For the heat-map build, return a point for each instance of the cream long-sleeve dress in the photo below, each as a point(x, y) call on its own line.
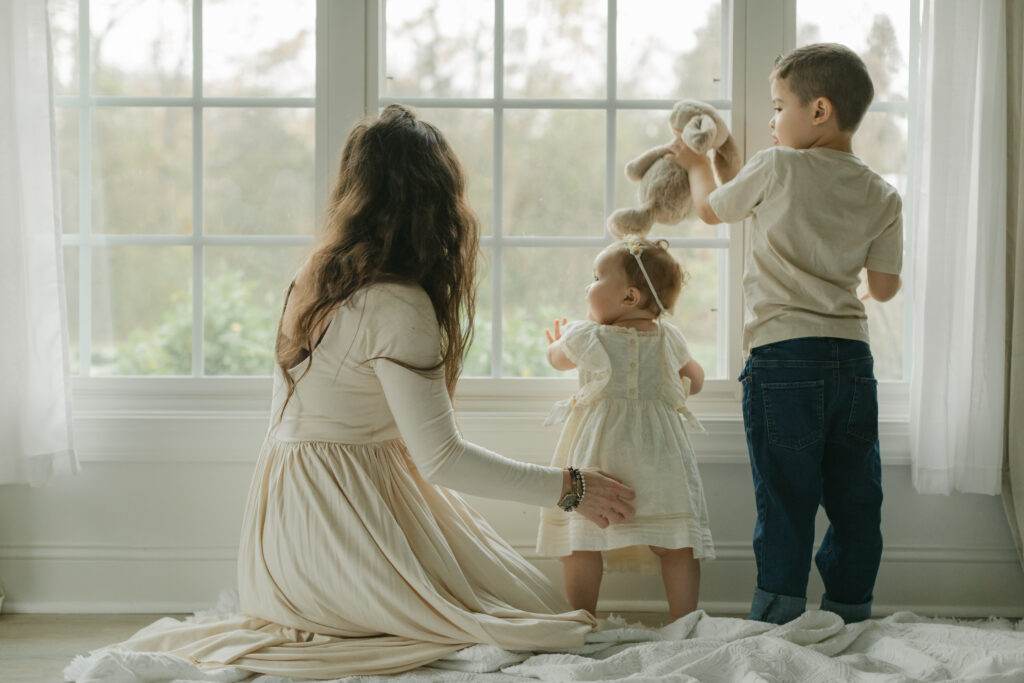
point(355, 555)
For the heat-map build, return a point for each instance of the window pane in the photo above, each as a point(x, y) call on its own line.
point(142, 170)
point(258, 171)
point(540, 285)
point(668, 48)
point(64, 45)
point(696, 310)
point(636, 132)
point(887, 329)
point(439, 48)
point(881, 141)
point(554, 172)
point(556, 48)
point(71, 288)
point(470, 132)
point(142, 311)
point(243, 291)
point(259, 47)
point(877, 30)
point(143, 47)
point(67, 161)
point(478, 360)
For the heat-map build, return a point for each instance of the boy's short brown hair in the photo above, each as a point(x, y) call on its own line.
point(666, 274)
point(833, 71)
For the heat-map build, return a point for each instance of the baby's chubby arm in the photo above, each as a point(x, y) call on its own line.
point(702, 178)
point(695, 372)
point(556, 355)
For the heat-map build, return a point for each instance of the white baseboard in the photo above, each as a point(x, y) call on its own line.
point(962, 582)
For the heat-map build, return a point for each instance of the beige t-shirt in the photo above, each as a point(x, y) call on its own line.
point(818, 216)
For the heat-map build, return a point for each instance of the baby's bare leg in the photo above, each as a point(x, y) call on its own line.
point(582, 571)
point(681, 574)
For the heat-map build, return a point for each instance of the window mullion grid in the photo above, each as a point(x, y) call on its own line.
point(136, 240)
point(788, 25)
point(84, 193)
point(740, 77)
point(198, 254)
point(602, 241)
point(538, 103)
point(723, 310)
point(722, 313)
point(611, 111)
point(725, 51)
point(497, 300)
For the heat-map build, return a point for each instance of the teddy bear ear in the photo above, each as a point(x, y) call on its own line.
point(682, 112)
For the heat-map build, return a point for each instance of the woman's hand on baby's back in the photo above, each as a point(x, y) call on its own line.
point(606, 500)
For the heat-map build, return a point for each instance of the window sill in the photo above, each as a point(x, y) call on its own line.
point(719, 401)
point(223, 419)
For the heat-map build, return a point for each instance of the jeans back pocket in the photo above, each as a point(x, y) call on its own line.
point(794, 413)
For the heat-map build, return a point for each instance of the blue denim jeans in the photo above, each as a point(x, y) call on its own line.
point(810, 409)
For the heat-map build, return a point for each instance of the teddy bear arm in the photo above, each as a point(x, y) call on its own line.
point(636, 169)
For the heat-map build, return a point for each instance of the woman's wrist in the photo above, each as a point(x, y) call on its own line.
point(572, 497)
point(566, 483)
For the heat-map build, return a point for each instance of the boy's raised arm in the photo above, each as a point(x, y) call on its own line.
point(702, 178)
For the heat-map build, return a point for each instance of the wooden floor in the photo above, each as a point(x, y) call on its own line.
point(37, 647)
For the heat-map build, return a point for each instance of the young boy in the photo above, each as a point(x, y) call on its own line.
point(810, 403)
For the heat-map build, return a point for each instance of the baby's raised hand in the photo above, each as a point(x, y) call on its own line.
point(556, 354)
point(558, 330)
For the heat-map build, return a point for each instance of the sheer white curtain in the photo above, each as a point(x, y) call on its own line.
point(1013, 470)
point(35, 407)
point(959, 373)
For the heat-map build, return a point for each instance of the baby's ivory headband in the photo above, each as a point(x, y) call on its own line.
point(635, 246)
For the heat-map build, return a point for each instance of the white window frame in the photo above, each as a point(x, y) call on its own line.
point(503, 394)
point(86, 103)
point(347, 89)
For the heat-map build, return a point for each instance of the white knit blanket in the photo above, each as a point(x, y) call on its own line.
point(815, 647)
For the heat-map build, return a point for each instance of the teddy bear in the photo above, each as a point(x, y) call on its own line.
point(664, 191)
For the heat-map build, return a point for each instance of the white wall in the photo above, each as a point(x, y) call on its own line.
point(151, 524)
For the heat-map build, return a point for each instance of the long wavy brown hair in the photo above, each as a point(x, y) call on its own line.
point(398, 213)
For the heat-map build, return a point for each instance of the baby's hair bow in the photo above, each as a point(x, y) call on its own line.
point(634, 245)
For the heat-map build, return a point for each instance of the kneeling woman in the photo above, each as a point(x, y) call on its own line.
point(355, 556)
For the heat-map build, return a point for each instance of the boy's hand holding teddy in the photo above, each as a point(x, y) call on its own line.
point(665, 187)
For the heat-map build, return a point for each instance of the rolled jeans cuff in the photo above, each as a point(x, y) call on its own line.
point(849, 613)
point(775, 608)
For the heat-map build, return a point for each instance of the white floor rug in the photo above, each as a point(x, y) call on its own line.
point(816, 647)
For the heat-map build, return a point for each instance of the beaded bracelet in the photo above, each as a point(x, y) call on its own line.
point(578, 478)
